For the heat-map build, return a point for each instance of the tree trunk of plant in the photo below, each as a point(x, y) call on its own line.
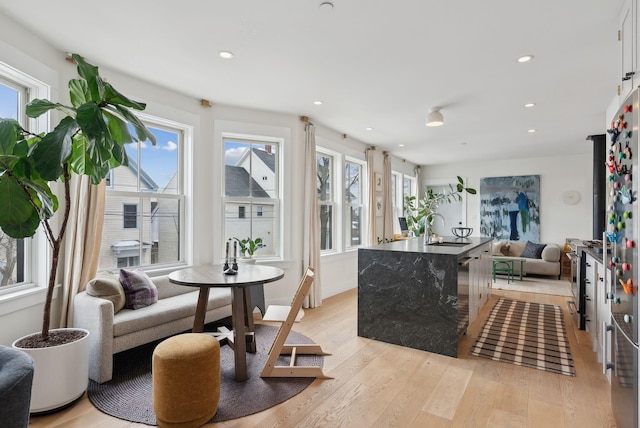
point(56, 243)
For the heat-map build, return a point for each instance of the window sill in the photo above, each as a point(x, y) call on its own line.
point(16, 301)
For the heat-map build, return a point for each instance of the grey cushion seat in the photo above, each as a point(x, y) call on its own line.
point(16, 378)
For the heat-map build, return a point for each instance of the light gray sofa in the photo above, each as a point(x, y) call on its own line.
point(112, 333)
point(548, 264)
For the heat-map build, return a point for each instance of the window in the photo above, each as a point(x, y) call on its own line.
point(409, 187)
point(252, 190)
point(17, 255)
point(130, 215)
point(341, 197)
point(353, 203)
point(401, 186)
point(144, 205)
point(326, 199)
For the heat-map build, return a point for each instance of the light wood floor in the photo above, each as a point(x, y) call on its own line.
point(381, 385)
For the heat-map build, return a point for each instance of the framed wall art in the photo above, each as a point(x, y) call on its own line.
point(510, 208)
point(378, 182)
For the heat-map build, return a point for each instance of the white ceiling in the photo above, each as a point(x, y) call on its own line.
point(374, 63)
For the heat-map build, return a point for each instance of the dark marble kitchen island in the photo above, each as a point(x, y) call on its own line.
point(408, 292)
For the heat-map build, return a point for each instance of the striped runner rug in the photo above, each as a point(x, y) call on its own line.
point(526, 334)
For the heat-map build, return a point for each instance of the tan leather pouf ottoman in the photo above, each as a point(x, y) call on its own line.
point(186, 380)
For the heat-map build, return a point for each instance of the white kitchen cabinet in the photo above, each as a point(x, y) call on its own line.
point(479, 280)
point(626, 33)
point(597, 306)
point(629, 50)
point(590, 297)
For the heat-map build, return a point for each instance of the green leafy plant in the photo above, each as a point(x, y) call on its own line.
point(88, 140)
point(249, 246)
point(422, 213)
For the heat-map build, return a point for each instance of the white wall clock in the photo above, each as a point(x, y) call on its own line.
point(571, 197)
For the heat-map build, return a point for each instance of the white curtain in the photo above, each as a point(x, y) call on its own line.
point(371, 178)
point(311, 249)
point(82, 241)
point(387, 203)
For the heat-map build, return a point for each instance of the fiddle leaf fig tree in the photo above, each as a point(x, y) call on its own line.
point(88, 140)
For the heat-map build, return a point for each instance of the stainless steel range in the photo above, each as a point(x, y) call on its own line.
point(578, 287)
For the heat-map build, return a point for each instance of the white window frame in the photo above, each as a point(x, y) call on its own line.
point(251, 202)
point(183, 191)
point(36, 249)
point(347, 206)
point(335, 200)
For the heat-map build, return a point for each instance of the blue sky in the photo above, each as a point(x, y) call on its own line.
point(159, 161)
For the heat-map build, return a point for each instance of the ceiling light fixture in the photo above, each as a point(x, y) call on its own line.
point(318, 102)
point(528, 105)
point(525, 58)
point(326, 6)
point(400, 145)
point(531, 131)
point(434, 118)
point(225, 54)
point(368, 128)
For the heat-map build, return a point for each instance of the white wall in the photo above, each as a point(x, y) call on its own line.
point(558, 220)
point(21, 315)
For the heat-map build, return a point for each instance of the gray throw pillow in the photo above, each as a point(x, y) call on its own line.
point(533, 251)
point(139, 289)
point(107, 286)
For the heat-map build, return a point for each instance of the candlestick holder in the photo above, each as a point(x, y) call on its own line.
point(230, 269)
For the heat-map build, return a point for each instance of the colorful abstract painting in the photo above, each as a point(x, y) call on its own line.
point(510, 208)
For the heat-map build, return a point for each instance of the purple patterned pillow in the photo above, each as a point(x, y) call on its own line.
point(139, 290)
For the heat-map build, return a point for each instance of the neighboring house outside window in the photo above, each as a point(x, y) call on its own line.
point(18, 268)
point(149, 230)
point(252, 190)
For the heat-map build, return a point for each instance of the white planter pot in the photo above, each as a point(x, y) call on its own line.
point(247, 261)
point(61, 373)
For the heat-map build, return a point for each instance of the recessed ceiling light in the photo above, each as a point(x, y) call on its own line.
point(326, 6)
point(318, 102)
point(400, 145)
point(525, 58)
point(531, 131)
point(368, 128)
point(527, 105)
point(225, 54)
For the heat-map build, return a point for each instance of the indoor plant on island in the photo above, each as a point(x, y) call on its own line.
point(420, 217)
point(89, 140)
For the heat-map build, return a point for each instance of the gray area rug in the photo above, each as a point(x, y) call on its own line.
point(129, 394)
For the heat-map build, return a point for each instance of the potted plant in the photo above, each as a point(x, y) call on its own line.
point(248, 247)
point(420, 217)
point(89, 140)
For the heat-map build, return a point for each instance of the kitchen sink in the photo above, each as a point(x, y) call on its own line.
point(450, 244)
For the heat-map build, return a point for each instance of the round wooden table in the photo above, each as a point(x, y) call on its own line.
point(205, 277)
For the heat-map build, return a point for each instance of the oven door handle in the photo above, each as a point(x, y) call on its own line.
point(569, 304)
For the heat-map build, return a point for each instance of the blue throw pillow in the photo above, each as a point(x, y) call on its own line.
point(533, 251)
point(139, 290)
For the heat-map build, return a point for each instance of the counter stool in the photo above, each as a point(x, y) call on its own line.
point(186, 380)
point(504, 267)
